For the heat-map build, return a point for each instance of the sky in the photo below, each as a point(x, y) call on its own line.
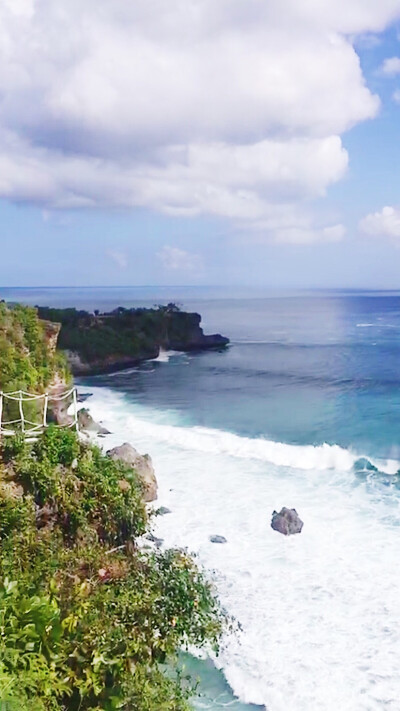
point(221, 142)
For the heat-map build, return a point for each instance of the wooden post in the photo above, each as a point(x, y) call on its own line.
point(1, 408)
point(46, 400)
point(76, 411)
point(21, 411)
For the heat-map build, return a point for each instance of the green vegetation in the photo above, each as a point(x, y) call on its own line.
point(124, 336)
point(26, 358)
point(125, 333)
point(89, 617)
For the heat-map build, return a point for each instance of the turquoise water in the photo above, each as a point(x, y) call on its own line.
point(293, 413)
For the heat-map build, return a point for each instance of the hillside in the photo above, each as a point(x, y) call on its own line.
point(28, 358)
point(92, 614)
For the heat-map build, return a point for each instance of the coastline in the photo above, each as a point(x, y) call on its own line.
point(214, 690)
point(197, 476)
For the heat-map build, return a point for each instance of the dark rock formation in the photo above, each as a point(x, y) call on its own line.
point(142, 465)
point(87, 423)
point(82, 397)
point(103, 343)
point(157, 541)
point(287, 521)
point(162, 511)
point(185, 334)
point(218, 539)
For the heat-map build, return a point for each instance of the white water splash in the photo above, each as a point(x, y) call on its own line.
point(320, 612)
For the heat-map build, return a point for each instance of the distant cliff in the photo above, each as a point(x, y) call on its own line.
point(106, 342)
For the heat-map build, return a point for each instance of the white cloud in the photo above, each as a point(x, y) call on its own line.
point(396, 96)
point(119, 258)
point(175, 259)
point(385, 223)
point(292, 227)
point(391, 66)
point(232, 108)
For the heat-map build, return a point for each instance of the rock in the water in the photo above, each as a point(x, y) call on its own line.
point(142, 465)
point(287, 521)
point(82, 397)
point(87, 423)
point(157, 541)
point(218, 539)
point(162, 511)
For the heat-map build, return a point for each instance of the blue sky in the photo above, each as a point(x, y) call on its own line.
point(246, 143)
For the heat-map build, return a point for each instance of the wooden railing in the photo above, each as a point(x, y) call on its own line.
point(28, 428)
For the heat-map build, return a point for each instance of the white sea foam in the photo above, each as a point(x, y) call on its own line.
point(164, 356)
point(320, 612)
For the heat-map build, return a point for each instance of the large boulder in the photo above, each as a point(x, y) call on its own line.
point(287, 521)
point(88, 424)
point(143, 466)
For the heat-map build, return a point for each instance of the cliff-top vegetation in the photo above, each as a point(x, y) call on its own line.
point(89, 617)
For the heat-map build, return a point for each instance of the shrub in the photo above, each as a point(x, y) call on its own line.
point(88, 619)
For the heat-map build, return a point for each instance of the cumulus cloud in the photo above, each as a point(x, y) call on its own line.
point(175, 259)
point(232, 108)
point(391, 66)
point(385, 223)
point(396, 96)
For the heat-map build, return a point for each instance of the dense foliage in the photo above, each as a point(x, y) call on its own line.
point(125, 335)
point(26, 359)
point(88, 618)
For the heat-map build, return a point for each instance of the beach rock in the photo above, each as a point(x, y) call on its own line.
point(287, 521)
point(87, 423)
point(218, 539)
point(142, 465)
point(82, 397)
point(162, 511)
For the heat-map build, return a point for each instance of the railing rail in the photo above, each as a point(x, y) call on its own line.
point(27, 427)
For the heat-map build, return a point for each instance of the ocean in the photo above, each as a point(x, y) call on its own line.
point(302, 410)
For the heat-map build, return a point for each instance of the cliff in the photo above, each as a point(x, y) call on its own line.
point(106, 342)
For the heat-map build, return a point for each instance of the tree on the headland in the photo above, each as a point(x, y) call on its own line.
point(169, 308)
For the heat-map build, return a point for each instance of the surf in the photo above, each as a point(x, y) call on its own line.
point(312, 609)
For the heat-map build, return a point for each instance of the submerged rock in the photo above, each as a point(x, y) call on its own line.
point(142, 465)
point(87, 423)
point(218, 539)
point(287, 521)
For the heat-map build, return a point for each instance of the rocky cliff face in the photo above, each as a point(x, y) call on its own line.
point(184, 333)
point(101, 343)
point(51, 334)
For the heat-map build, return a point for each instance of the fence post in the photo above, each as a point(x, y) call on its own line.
point(21, 411)
point(1, 408)
point(46, 400)
point(76, 411)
